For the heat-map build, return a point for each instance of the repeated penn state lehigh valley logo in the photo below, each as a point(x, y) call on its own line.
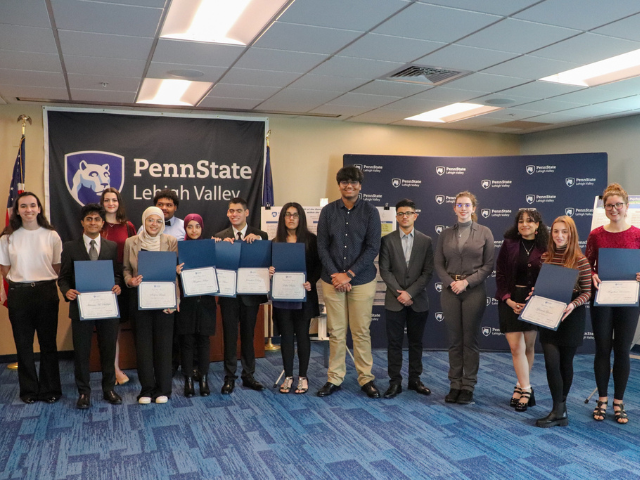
point(439, 229)
point(569, 211)
point(486, 184)
point(396, 182)
point(570, 181)
point(531, 169)
point(88, 173)
point(486, 331)
point(530, 198)
point(439, 316)
point(439, 199)
point(358, 166)
point(485, 212)
point(440, 170)
point(438, 286)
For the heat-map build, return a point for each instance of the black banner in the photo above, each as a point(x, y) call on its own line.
point(205, 161)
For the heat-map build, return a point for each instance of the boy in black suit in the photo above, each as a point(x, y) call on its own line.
point(90, 246)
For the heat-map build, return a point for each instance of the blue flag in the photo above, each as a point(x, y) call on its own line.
point(267, 188)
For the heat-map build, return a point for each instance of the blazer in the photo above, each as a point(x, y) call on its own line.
point(248, 300)
point(506, 267)
point(412, 278)
point(76, 250)
point(475, 259)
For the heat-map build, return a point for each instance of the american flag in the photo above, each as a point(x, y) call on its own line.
point(16, 187)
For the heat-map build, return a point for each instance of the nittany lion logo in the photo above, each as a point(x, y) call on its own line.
point(570, 181)
point(485, 184)
point(530, 198)
point(569, 211)
point(485, 212)
point(395, 182)
point(438, 286)
point(358, 166)
point(88, 173)
point(486, 331)
point(439, 316)
point(273, 214)
point(531, 169)
point(439, 199)
point(439, 229)
point(488, 301)
point(440, 170)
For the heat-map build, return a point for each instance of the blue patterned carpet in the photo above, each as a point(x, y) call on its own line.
point(265, 435)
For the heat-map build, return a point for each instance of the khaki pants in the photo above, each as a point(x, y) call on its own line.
point(352, 309)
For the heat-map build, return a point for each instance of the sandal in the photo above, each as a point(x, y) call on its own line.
point(514, 401)
point(620, 414)
point(286, 385)
point(303, 385)
point(599, 412)
point(530, 398)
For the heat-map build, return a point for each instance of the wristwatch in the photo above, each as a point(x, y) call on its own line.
point(350, 275)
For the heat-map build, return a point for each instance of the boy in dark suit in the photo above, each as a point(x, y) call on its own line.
point(406, 266)
point(243, 309)
point(90, 246)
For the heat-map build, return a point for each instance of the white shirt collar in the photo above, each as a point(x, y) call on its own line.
point(410, 234)
point(243, 231)
point(87, 242)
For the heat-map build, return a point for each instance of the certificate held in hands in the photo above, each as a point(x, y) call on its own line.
point(227, 262)
point(253, 272)
point(287, 283)
point(198, 273)
point(94, 281)
point(553, 291)
point(158, 288)
point(617, 268)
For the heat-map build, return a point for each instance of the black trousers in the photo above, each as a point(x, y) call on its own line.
point(290, 323)
point(559, 363)
point(153, 332)
point(198, 346)
point(34, 309)
point(396, 322)
point(82, 331)
point(613, 328)
point(234, 313)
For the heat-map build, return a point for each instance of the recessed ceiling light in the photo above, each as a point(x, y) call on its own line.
point(609, 70)
point(453, 113)
point(185, 73)
point(158, 91)
point(234, 22)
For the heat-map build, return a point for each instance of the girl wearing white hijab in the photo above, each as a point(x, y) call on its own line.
point(153, 329)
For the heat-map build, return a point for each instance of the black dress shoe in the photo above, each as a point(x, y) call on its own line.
point(112, 397)
point(196, 375)
point(229, 384)
point(419, 387)
point(393, 390)
point(51, 398)
point(327, 389)
point(189, 391)
point(28, 400)
point(370, 389)
point(84, 401)
point(452, 396)
point(465, 397)
point(204, 386)
point(252, 383)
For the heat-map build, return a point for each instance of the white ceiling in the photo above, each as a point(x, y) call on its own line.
point(330, 57)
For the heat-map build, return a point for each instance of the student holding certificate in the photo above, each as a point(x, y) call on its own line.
point(613, 327)
point(91, 247)
point(153, 328)
point(295, 317)
point(195, 322)
point(517, 269)
point(560, 346)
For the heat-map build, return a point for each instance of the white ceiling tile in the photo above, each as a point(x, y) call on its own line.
point(497, 7)
point(412, 106)
point(305, 38)
point(101, 45)
point(250, 92)
point(614, 106)
point(392, 49)
point(362, 100)
point(121, 67)
point(31, 13)
point(431, 22)
point(229, 103)
point(485, 82)
point(328, 82)
point(448, 95)
point(511, 114)
point(462, 57)
point(267, 78)
point(549, 105)
point(142, 3)
point(93, 82)
point(342, 110)
point(297, 100)
point(530, 67)
point(160, 70)
point(107, 96)
point(628, 28)
point(111, 18)
point(27, 39)
point(360, 15)
point(356, 67)
point(587, 48)
point(515, 99)
point(540, 90)
point(602, 93)
point(582, 14)
point(46, 62)
point(377, 116)
point(560, 117)
point(26, 91)
point(517, 36)
point(394, 89)
point(279, 60)
point(31, 78)
point(195, 53)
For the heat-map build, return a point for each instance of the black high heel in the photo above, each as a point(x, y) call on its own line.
point(188, 387)
point(204, 386)
point(514, 401)
point(522, 406)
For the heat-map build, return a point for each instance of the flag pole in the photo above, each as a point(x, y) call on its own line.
point(269, 346)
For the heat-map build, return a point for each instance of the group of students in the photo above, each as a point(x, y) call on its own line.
point(32, 259)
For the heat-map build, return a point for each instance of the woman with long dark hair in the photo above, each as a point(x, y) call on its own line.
point(30, 258)
point(294, 318)
point(517, 269)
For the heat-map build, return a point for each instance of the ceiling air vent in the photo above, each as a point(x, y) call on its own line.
point(426, 75)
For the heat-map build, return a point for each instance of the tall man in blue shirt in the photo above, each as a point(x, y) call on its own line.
point(348, 242)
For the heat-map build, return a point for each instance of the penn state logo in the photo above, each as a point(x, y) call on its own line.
point(439, 316)
point(569, 211)
point(570, 181)
point(274, 214)
point(360, 196)
point(439, 229)
point(531, 169)
point(530, 198)
point(440, 170)
point(486, 331)
point(485, 212)
point(88, 173)
point(488, 301)
point(485, 184)
point(439, 199)
point(358, 166)
point(438, 286)
point(395, 182)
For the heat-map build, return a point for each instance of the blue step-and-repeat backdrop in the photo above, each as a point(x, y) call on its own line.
point(553, 184)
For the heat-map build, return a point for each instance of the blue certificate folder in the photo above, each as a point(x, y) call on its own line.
point(156, 267)
point(287, 258)
point(197, 254)
point(94, 276)
point(617, 264)
point(256, 254)
point(227, 258)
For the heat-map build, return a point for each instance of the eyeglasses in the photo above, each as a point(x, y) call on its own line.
point(610, 206)
point(460, 205)
point(405, 214)
point(353, 183)
point(291, 215)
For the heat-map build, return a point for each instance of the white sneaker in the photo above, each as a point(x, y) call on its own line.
point(162, 399)
point(144, 400)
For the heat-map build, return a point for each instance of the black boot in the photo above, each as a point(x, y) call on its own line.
point(204, 386)
point(557, 418)
point(188, 387)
